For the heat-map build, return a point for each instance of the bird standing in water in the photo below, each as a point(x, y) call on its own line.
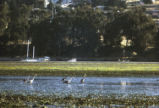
point(68, 81)
point(32, 80)
point(63, 79)
point(26, 80)
point(83, 79)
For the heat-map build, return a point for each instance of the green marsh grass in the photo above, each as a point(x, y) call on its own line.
point(79, 68)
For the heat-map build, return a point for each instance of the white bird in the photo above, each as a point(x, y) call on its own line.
point(32, 80)
point(68, 81)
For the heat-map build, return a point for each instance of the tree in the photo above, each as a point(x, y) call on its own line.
point(4, 21)
point(79, 30)
point(59, 2)
point(41, 36)
point(19, 26)
point(71, 32)
point(81, 2)
point(98, 2)
point(4, 17)
point(115, 3)
point(147, 1)
point(136, 26)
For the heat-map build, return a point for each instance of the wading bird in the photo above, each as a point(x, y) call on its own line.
point(26, 80)
point(68, 81)
point(32, 80)
point(83, 79)
point(63, 79)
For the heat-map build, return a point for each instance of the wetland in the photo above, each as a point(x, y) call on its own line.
point(136, 89)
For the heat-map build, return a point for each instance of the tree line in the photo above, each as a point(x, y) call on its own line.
point(80, 31)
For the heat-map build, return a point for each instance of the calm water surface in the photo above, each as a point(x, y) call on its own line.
point(103, 86)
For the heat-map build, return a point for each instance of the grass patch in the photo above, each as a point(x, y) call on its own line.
point(79, 68)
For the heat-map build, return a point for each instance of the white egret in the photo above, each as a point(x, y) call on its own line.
point(32, 80)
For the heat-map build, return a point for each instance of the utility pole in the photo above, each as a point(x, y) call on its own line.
point(28, 49)
point(33, 51)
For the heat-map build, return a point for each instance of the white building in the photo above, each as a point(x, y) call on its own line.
point(155, 1)
point(128, 1)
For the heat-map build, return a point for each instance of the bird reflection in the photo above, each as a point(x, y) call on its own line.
point(101, 86)
point(123, 83)
point(31, 87)
point(69, 86)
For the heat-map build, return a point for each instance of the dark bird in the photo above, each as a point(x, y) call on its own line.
point(26, 80)
point(83, 79)
point(63, 79)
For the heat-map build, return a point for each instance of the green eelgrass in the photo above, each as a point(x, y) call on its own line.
point(79, 68)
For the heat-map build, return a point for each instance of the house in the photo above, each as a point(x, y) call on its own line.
point(130, 1)
point(155, 1)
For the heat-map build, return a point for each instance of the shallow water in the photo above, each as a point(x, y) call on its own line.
point(101, 86)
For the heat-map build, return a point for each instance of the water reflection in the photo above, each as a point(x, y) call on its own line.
point(93, 85)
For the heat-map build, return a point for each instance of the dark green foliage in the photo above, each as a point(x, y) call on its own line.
point(147, 1)
point(80, 31)
point(73, 32)
point(117, 3)
point(41, 33)
point(4, 17)
point(109, 3)
point(19, 25)
point(4, 22)
point(136, 26)
point(98, 2)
